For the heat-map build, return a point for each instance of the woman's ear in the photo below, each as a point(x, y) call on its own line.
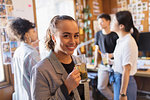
point(121, 26)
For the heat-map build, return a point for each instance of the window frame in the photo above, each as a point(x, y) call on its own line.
point(8, 76)
point(7, 70)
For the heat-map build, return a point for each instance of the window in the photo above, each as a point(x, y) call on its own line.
point(5, 70)
point(45, 11)
point(2, 78)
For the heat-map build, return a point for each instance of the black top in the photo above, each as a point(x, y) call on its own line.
point(107, 42)
point(69, 68)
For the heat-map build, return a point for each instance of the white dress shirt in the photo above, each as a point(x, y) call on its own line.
point(25, 57)
point(126, 52)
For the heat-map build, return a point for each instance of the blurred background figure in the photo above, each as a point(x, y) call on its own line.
point(105, 42)
point(25, 56)
point(125, 57)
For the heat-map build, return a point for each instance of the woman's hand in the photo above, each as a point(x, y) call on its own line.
point(72, 80)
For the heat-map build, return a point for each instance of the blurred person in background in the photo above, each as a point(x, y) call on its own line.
point(25, 56)
point(125, 57)
point(105, 42)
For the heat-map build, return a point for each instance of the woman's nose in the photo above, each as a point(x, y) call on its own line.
point(72, 40)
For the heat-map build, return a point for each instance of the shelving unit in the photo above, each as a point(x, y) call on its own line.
point(86, 12)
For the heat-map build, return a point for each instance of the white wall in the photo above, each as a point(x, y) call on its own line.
point(23, 9)
point(46, 10)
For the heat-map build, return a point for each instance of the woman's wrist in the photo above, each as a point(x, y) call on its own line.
point(69, 90)
point(123, 94)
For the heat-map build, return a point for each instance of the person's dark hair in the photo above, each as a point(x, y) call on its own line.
point(17, 28)
point(105, 16)
point(53, 28)
point(125, 18)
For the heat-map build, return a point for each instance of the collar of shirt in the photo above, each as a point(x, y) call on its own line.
point(123, 38)
point(27, 45)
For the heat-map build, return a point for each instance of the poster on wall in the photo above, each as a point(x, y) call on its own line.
point(8, 2)
point(3, 21)
point(122, 5)
point(9, 10)
point(13, 46)
point(2, 10)
point(6, 53)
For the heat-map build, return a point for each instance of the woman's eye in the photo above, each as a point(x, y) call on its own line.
point(66, 36)
point(76, 36)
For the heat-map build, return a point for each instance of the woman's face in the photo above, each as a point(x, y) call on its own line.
point(66, 37)
point(115, 25)
point(33, 34)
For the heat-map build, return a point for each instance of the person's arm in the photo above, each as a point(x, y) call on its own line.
point(110, 59)
point(125, 81)
point(96, 56)
point(96, 50)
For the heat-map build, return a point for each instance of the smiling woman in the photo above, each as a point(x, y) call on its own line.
point(51, 77)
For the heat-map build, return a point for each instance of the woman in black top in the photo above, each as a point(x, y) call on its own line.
point(55, 78)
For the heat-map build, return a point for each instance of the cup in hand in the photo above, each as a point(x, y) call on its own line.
point(83, 71)
point(105, 58)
